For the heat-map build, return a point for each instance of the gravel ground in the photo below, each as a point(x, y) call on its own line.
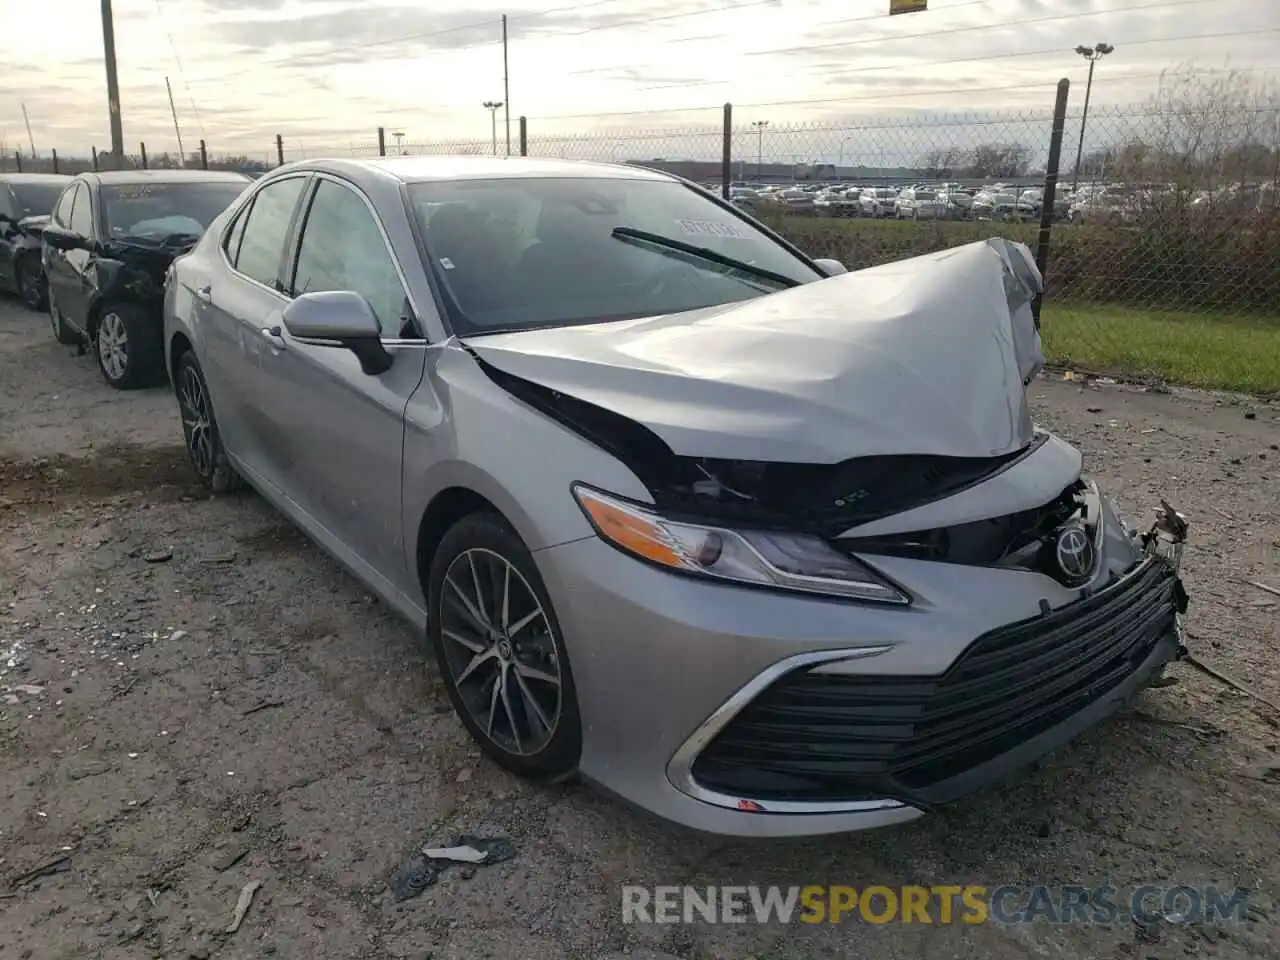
point(193, 697)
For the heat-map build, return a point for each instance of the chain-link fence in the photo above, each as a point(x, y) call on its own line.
point(1167, 206)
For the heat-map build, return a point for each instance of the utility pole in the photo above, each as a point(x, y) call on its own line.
point(182, 154)
point(759, 125)
point(30, 138)
point(1093, 55)
point(492, 106)
point(506, 86)
point(113, 85)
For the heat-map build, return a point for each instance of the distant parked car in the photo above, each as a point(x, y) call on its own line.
point(837, 202)
point(106, 250)
point(921, 204)
point(878, 202)
point(994, 205)
point(24, 199)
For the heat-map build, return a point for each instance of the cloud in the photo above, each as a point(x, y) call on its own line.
point(329, 72)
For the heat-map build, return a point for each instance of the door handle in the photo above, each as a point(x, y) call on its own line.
point(272, 336)
point(205, 293)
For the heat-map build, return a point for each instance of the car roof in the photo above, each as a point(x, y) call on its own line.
point(50, 178)
point(438, 168)
point(129, 177)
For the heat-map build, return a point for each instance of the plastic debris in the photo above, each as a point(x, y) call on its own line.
point(424, 866)
point(412, 877)
point(456, 854)
point(243, 904)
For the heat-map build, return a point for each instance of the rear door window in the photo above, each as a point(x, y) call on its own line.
point(266, 231)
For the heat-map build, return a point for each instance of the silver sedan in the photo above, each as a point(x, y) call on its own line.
point(765, 547)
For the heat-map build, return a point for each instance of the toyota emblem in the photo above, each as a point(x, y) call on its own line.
point(1075, 554)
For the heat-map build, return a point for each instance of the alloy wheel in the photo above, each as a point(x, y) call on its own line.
point(113, 345)
point(193, 404)
point(500, 651)
point(29, 287)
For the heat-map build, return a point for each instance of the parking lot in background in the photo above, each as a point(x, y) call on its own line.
point(193, 698)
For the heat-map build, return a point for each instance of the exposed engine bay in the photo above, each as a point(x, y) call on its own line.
point(827, 499)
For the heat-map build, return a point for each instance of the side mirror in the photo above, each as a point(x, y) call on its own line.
point(342, 317)
point(62, 239)
point(34, 226)
point(832, 268)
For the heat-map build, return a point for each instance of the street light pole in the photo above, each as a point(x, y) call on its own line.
point(1093, 55)
point(493, 106)
point(759, 125)
point(113, 86)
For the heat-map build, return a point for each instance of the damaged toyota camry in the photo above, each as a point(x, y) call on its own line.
point(763, 546)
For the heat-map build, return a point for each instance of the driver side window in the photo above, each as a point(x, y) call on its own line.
point(62, 212)
point(342, 248)
point(82, 212)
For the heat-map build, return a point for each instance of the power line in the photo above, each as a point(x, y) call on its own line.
point(943, 32)
point(917, 93)
point(1054, 50)
point(954, 30)
point(822, 23)
point(173, 48)
point(317, 58)
point(830, 101)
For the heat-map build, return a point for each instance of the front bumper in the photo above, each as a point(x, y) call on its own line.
point(676, 676)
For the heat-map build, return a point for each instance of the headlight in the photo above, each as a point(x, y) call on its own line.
point(766, 558)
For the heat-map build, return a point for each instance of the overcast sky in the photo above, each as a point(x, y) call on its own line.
point(327, 73)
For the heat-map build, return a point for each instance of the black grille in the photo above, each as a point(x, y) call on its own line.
point(823, 737)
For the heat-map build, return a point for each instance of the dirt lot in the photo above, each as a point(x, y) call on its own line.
point(193, 697)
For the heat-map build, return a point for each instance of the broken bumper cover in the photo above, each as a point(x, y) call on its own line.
point(817, 739)
point(808, 737)
point(773, 716)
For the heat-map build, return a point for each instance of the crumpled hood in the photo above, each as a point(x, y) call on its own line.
point(929, 355)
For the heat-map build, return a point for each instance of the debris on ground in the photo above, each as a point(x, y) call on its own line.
point(230, 857)
point(242, 905)
point(1222, 678)
point(1264, 587)
point(425, 865)
point(59, 864)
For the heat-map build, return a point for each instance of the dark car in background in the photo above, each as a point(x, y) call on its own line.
point(106, 251)
point(25, 198)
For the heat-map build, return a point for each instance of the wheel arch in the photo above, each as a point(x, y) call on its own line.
point(179, 344)
point(445, 509)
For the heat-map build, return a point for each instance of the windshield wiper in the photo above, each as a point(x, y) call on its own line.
point(631, 234)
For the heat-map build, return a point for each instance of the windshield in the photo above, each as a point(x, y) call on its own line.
point(145, 211)
point(528, 252)
point(36, 199)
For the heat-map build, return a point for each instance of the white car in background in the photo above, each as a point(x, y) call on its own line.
point(919, 203)
point(878, 202)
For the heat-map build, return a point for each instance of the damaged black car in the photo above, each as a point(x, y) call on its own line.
point(106, 249)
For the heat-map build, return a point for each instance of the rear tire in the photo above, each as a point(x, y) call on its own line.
point(508, 677)
point(31, 283)
point(128, 347)
point(205, 453)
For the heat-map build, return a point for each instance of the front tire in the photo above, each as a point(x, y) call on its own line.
point(127, 347)
point(204, 447)
point(497, 642)
point(31, 284)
